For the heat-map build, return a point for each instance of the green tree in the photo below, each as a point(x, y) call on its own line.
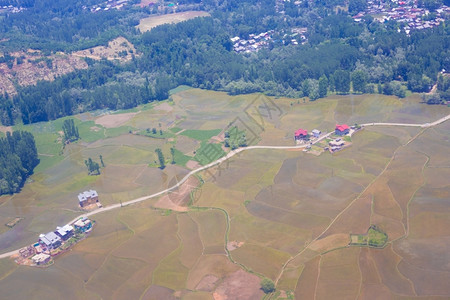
point(70, 130)
point(323, 86)
point(172, 152)
point(305, 88)
point(359, 80)
point(18, 157)
point(267, 285)
point(162, 163)
point(313, 89)
point(430, 4)
point(92, 166)
point(243, 140)
point(341, 80)
point(355, 6)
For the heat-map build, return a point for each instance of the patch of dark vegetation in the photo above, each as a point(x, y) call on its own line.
point(374, 238)
point(18, 157)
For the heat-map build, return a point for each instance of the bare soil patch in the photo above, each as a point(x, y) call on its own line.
point(233, 245)
point(239, 285)
point(118, 49)
point(217, 265)
point(356, 219)
point(164, 107)
point(145, 3)
point(330, 242)
point(306, 286)
point(5, 129)
point(34, 67)
point(207, 283)
point(158, 292)
point(339, 275)
point(386, 261)
point(111, 121)
point(95, 128)
point(192, 164)
point(426, 282)
point(218, 138)
point(178, 199)
point(149, 23)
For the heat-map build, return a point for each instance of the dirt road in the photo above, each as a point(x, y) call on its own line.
point(228, 156)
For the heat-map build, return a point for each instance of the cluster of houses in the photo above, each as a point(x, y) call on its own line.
point(54, 239)
point(258, 41)
point(411, 15)
point(53, 242)
point(253, 44)
point(110, 4)
point(11, 9)
point(300, 33)
point(49, 243)
point(302, 135)
point(338, 143)
point(279, 5)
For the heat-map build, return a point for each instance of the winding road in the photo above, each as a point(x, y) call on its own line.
point(228, 156)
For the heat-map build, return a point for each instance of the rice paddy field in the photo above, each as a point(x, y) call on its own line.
point(285, 215)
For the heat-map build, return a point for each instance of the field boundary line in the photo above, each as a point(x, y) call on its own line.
point(350, 204)
point(226, 157)
point(318, 276)
point(360, 275)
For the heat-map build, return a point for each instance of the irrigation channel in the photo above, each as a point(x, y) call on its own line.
point(226, 157)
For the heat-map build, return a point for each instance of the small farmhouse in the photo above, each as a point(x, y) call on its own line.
point(342, 129)
point(50, 240)
point(316, 133)
point(88, 197)
point(301, 134)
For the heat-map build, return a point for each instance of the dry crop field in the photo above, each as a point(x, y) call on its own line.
point(148, 23)
point(284, 215)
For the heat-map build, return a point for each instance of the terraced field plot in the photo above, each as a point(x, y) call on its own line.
point(289, 213)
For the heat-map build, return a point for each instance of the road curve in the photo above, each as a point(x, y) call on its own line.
point(224, 158)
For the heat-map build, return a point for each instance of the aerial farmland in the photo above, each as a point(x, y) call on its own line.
point(334, 225)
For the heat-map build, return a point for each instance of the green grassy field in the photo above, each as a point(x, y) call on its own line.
point(280, 214)
point(201, 135)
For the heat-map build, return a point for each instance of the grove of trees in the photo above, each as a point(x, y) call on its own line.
point(92, 166)
point(267, 285)
point(70, 131)
point(341, 56)
point(162, 161)
point(18, 157)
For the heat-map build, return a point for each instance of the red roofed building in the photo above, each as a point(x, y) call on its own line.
point(342, 129)
point(301, 134)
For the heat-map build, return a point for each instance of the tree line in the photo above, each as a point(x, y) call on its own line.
point(341, 56)
point(18, 157)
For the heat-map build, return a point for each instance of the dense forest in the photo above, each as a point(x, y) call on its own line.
point(341, 56)
point(18, 157)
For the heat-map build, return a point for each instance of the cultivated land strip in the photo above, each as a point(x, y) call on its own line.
point(226, 157)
